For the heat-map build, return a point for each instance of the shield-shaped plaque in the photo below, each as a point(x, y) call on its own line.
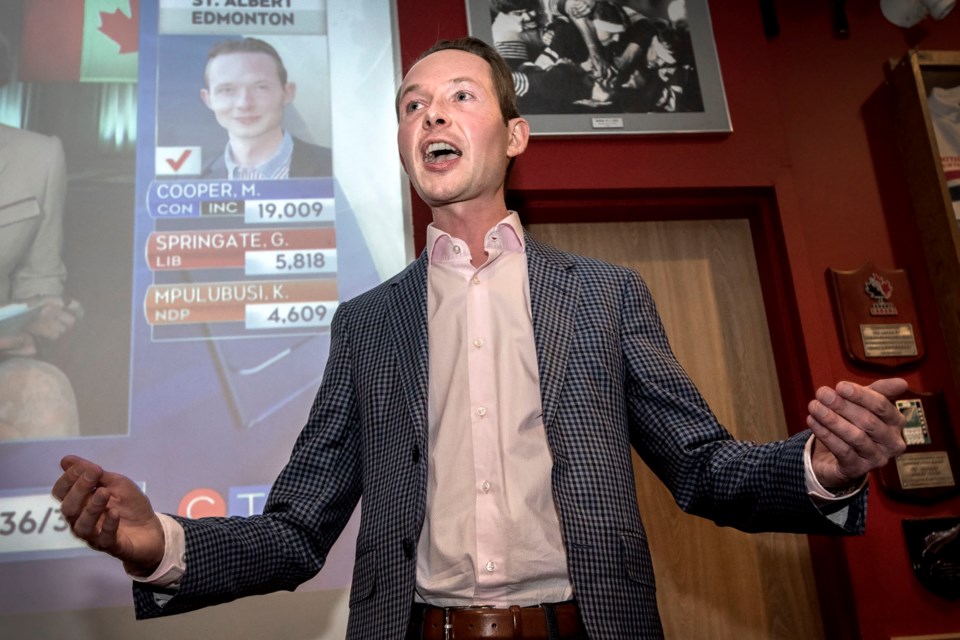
point(877, 316)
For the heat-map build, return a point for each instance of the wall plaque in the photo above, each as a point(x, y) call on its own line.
point(876, 316)
point(929, 469)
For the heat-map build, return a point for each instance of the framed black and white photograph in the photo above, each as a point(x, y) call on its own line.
point(608, 66)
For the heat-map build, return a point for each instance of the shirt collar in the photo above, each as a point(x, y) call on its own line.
point(508, 234)
point(277, 166)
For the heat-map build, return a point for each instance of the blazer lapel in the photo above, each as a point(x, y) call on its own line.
point(408, 324)
point(554, 297)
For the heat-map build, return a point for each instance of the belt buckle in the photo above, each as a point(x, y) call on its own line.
point(448, 625)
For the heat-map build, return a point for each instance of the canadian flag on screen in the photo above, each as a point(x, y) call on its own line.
point(80, 40)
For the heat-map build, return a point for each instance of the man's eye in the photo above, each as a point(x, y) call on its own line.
point(413, 106)
point(462, 95)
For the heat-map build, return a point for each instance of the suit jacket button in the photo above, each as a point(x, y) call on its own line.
point(416, 454)
point(409, 549)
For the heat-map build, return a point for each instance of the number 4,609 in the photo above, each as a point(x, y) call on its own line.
point(304, 315)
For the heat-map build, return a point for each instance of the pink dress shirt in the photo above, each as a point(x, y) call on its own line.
point(491, 533)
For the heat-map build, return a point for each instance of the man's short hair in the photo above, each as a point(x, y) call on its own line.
point(246, 45)
point(499, 72)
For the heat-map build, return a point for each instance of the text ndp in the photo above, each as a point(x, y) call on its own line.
point(287, 304)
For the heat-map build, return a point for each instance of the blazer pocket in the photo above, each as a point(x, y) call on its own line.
point(364, 575)
point(636, 557)
point(11, 212)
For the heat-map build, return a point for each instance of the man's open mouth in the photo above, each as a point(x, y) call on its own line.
point(440, 152)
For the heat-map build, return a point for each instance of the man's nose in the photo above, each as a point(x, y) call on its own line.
point(435, 118)
point(245, 98)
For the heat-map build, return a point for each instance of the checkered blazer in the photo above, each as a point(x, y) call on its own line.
point(609, 382)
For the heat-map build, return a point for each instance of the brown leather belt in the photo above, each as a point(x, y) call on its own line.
point(518, 623)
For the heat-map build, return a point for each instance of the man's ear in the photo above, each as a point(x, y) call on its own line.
point(289, 92)
point(519, 131)
point(205, 96)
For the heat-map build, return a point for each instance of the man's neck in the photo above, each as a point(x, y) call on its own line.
point(252, 152)
point(470, 223)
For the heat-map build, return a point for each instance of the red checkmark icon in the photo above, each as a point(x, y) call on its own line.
point(176, 164)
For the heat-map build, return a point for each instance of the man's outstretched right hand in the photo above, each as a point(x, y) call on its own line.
point(110, 513)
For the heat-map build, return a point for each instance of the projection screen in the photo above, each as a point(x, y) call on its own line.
point(202, 300)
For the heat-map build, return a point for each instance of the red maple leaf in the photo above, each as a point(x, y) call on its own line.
point(121, 29)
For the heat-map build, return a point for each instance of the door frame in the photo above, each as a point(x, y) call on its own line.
point(758, 205)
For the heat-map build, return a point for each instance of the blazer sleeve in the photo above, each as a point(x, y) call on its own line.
point(753, 487)
point(308, 507)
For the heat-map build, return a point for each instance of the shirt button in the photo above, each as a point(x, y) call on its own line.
point(490, 566)
point(481, 411)
point(485, 487)
point(456, 249)
point(478, 343)
point(476, 280)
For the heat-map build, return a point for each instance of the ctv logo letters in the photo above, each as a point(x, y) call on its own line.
point(248, 500)
point(202, 503)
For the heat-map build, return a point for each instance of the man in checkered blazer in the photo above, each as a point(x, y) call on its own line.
point(584, 334)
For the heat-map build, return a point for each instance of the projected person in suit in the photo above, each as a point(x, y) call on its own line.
point(246, 87)
point(36, 398)
point(484, 403)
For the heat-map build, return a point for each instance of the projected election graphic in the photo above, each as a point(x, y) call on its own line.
point(209, 236)
point(232, 178)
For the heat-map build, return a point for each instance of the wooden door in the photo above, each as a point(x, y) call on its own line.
point(712, 582)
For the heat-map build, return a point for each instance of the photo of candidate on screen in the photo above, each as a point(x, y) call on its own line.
point(246, 87)
point(242, 108)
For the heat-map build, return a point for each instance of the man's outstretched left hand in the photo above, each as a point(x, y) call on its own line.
point(857, 429)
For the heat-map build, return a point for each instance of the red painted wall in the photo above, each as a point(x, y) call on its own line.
point(812, 120)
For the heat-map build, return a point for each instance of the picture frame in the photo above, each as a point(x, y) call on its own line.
point(563, 90)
